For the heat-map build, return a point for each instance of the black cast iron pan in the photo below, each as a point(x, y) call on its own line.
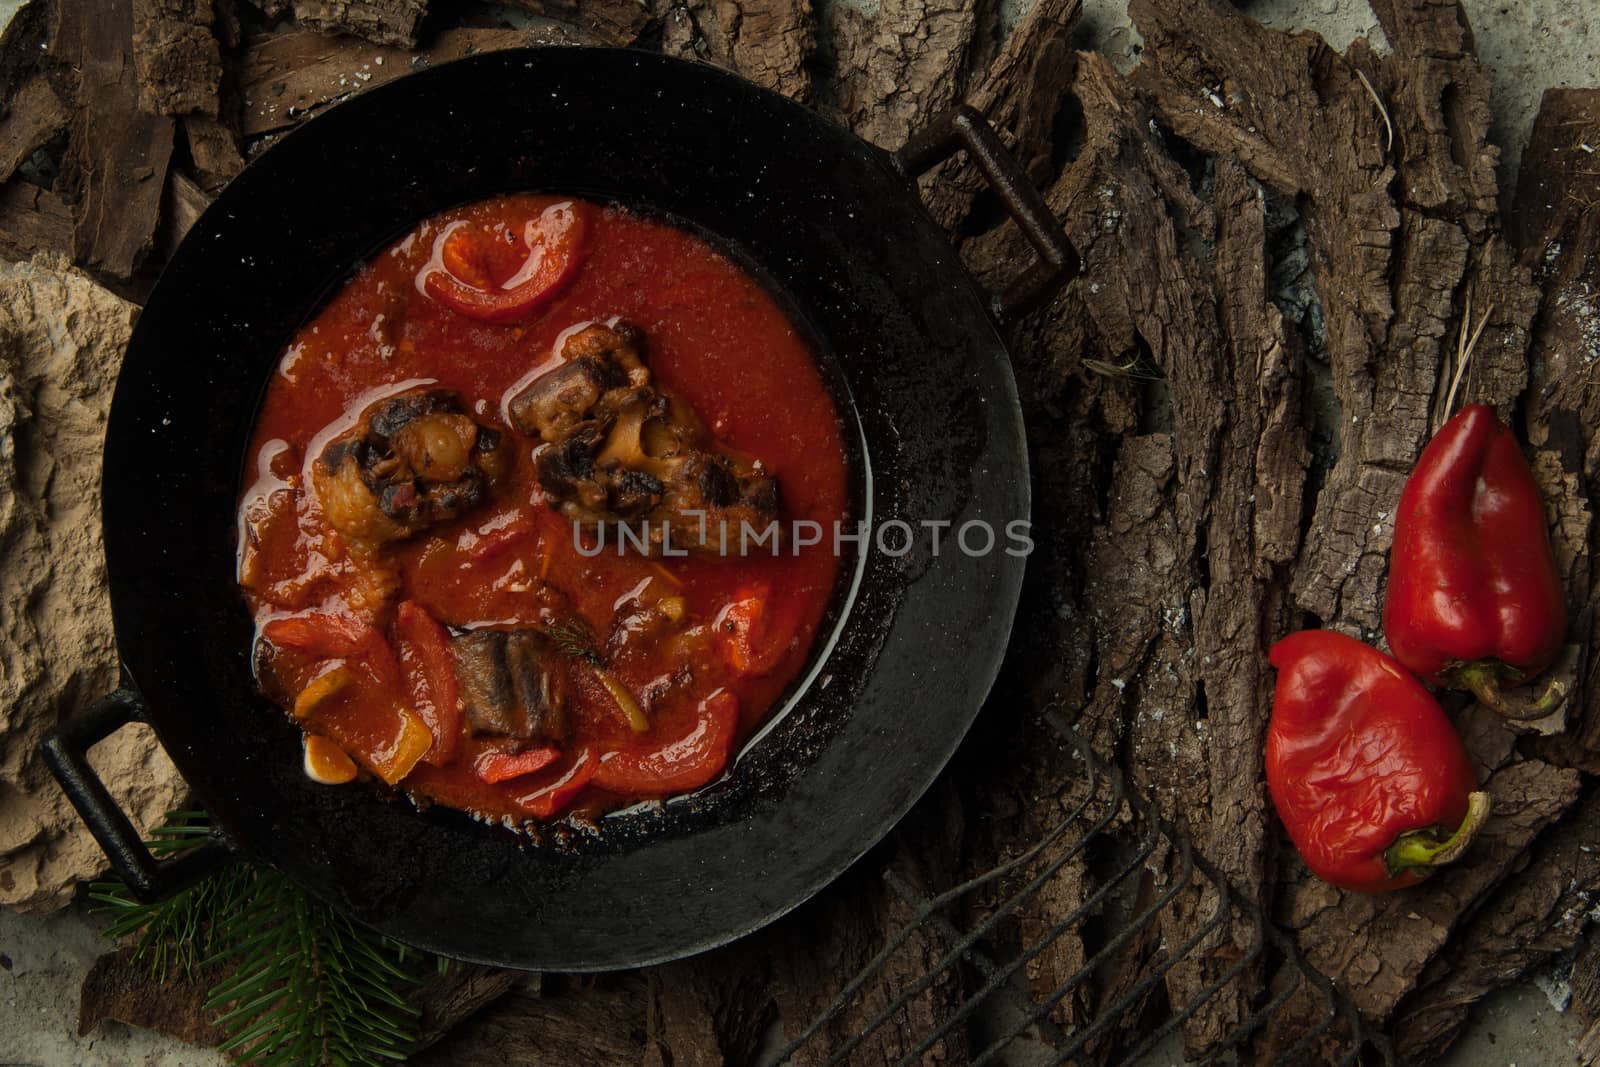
point(835, 228)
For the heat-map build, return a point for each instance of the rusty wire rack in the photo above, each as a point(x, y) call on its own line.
point(1110, 812)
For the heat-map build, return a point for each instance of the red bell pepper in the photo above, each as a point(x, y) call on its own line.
point(1369, 777)
point(752, 639)
point(552, 798)
point(687, 763)
point(493, 767)
point(1474, 601)
point(424, 648)
point(326, 635)
point(458, 275)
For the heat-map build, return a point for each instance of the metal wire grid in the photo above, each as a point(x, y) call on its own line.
point(995, 990)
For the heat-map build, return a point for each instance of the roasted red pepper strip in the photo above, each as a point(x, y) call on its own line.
point(687, 763)
point(751, 639)
point(495, 767)
point(1367, 774)
point(552, 798)
point(424, 648)
point(326, 635)
point(457, 275)
point(1474, 601)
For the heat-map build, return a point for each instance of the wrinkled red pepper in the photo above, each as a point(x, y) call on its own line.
point(1474, 601)
point(1368, 776)
point(458, 276)
point(687, 763)
point(424, 648)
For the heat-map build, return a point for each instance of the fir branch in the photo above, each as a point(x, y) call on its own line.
point(308, 988)
point(175, 931)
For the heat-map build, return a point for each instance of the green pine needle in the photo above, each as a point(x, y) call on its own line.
point(308, 987)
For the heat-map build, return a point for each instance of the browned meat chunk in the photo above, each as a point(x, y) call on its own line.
point(619, 448)
point(514, 684)
point(412, 461)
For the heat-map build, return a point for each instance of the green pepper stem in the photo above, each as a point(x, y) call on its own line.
point(1424, 849)
point(1483, 679)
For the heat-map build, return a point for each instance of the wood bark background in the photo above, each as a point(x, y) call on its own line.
point(1284, 250)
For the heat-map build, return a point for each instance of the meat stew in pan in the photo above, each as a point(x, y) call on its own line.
point(518, 535)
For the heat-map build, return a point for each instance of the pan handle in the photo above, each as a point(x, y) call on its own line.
point(964, 127)
point(66, 752)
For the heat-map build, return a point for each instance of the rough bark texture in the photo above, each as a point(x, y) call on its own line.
point(119, 987)
point(1539, 912)
point(118, 154)
point(214, 150)
point(889, 72)
point(34, 115)
point(829, 940)
point(391, 22)
point(177, 56)
point(33, 220)
point(599, 1022)
point(459, 993)
point(620, 22)
point(285, 78)
point(61, 341)
point(1558, 207)
point(768, 41)
point(1019, 94)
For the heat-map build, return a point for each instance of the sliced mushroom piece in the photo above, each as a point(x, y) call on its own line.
point(480, 661)
point(513, 684)
point(539, 681)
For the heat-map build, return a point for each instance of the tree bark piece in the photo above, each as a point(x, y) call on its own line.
point(709, 1011)
point(1301, 120)
point(286, 78)
point(1375, 948)
point(177, 56)
point(1538, 913)
point(618, 22)
point(184, 202)
point(117, 156)
point(122, 988)
point(214, 150)
point(34, 116)
point(828, 941)
point(769, 42)
point(391, 22)
point(33, 220)
point(1021, 95)
point(894, 70)
point(1558, 219)
point(597, 1022)
point(458, 993)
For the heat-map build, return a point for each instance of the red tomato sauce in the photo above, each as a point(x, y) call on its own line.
point(745, 625)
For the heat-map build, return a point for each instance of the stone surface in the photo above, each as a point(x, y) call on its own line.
point(61, 342)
